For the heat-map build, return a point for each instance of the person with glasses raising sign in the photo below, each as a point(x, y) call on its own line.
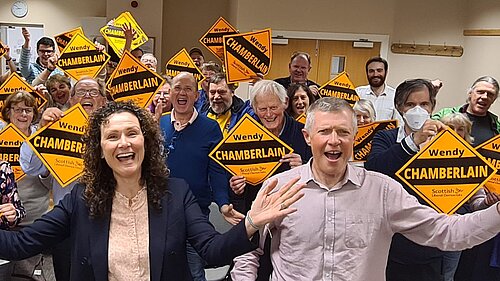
point(46, 61)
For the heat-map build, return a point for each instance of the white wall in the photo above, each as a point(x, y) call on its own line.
point(422, 22)
point(56, 15)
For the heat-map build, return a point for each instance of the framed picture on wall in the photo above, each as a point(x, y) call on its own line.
point(149, 46)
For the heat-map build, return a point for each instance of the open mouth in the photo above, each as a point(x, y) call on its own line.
point(182, 101)
point(333, 155)
point(87, 104)
point(125, 156)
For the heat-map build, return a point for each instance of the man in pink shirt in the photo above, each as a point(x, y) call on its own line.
point(344, 224)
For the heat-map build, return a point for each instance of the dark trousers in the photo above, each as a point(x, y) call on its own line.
point(474, 264)
point(431, 271)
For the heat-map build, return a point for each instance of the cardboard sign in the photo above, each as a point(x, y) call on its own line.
point(364, 137)
point(247, 54)
point(11, 139)
point(213, 39)
point(446, 172)
point(3, 50)
point(81, 58)
point(132, 80)
point(63, 39)
point(250, 150)
point(59, 145)
point(340, 87)
point(116, 38)
point(182, 62)
point(491, 151)
point(15, 83)
point(301, 118)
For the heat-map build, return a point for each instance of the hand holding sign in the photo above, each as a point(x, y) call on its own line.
point(5, 51)
point(237, 184)
point(293, 159)
point(428, 131)
point(52, 62)
point(51, 114)
point(491, 198)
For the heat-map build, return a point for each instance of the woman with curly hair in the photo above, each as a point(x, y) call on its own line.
point(127, 220)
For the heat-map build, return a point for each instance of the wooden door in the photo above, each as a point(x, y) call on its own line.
point(321, 52)
point(355, 60)
point(282, 54)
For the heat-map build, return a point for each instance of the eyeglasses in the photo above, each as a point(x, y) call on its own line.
point(19, 110)
point(187, 90)
point(46, 51)
point(92, 93)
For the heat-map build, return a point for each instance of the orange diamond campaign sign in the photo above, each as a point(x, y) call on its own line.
point(491, 151)
point(132, 80)
point(340, 87)
point(10, 142)
point(250, 150)
point(81, 58)
point(247, 54)
point(59, 145)
point(301, 118)
point(182, 62)
point(3, 50)
point(213, 39)
point(115, 36)
point(364, 137)
point(446, 172)
point(15, 83)
point(63, 39)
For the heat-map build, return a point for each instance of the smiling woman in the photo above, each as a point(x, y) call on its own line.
point(126, 197)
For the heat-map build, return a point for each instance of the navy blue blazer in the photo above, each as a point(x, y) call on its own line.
point(179, 220)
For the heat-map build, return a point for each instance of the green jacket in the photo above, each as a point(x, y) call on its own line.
point(495, 124)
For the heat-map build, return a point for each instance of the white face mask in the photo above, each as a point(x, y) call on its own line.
point(415, 117)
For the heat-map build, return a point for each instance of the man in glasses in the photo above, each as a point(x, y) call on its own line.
point(46, 61)
point(189, 138)
point(89, 92)
point(150, 61)
point(208, 70)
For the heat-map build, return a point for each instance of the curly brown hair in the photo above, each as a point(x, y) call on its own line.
point(98, 176)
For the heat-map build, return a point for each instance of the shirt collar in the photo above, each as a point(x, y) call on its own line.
point(384, 93)
point(193, 117)
point(401, 134)
point(352, 175)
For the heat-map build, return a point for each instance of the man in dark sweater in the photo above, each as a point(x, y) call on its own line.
point(415, 100)
point(299, 67)
point(189, 138)
point(479, 263)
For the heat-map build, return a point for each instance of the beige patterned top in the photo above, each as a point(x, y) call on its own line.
point(128, 254)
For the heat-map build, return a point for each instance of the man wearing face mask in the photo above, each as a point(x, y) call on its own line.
point(415, 100)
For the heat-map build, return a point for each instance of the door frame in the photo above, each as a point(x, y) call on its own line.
point(243, 90)
point(382, 38)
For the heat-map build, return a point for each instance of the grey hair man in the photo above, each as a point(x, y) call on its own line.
point(356, 212)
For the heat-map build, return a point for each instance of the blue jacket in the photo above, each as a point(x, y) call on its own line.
point(188, 159)
point(179, 220)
